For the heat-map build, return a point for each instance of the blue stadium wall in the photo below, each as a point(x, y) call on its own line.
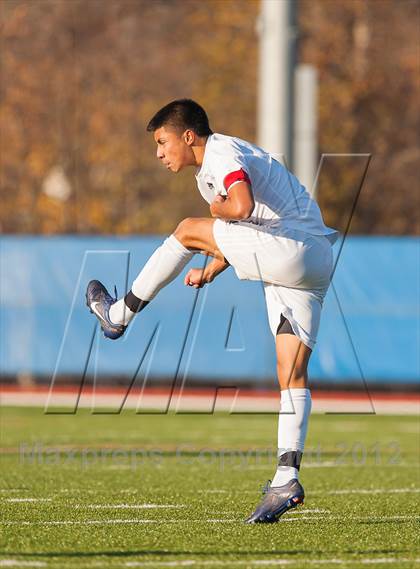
point(369, 330)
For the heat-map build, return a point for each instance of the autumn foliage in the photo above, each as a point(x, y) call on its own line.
point(80, 80)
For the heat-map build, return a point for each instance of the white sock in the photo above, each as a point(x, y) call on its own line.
point(119, 313)
point(294, 414)
point(163, 266)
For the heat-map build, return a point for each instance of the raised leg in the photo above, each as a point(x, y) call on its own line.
point(196, 234)
point(191, 236)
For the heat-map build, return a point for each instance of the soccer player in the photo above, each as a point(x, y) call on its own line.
point(267, 227)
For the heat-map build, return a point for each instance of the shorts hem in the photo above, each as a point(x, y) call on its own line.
point(298, 333)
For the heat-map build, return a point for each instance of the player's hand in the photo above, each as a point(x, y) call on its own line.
point(195, 278)
point(217, 200)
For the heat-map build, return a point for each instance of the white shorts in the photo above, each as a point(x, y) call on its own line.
point(295, 268)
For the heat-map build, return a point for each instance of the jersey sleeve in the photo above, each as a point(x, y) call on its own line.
point(228, 168)
point(234, 178)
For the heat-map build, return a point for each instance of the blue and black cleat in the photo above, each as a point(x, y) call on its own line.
point(276, 502)
point(99, 301)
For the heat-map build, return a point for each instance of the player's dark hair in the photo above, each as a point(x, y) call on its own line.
point(182, 114)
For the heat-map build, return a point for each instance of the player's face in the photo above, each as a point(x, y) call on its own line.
point(173, 148)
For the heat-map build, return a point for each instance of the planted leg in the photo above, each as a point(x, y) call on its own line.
point(285, 491)
point(292, 365)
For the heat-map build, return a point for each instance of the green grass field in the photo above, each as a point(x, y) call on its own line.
point(172, 490)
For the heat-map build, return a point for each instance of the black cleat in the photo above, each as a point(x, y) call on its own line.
point(99, 302)
point(276, 502)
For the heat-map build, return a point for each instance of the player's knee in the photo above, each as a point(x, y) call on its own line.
point(184, 230)
point(292, 374)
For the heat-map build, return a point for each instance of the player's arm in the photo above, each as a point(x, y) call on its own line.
point(238, 204)
point(199, 277)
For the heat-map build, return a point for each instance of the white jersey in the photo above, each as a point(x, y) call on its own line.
point(281, 202)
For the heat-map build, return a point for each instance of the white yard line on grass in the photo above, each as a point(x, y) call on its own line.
point(186, 563)
point(132, 506)
point(369, 491)
point(267, 562)
point(18, 563)
point(27, 499)
point(192, 562)
point(115, 521)
point(205, 491)
point(229, 562)
point(308, 511)
point(343, 491)
point(351, 518)
point(324, 492)
point(212, 520)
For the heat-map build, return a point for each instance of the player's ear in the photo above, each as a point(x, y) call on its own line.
point(189, 137)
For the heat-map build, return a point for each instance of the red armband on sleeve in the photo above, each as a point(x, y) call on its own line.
point(234, 177)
